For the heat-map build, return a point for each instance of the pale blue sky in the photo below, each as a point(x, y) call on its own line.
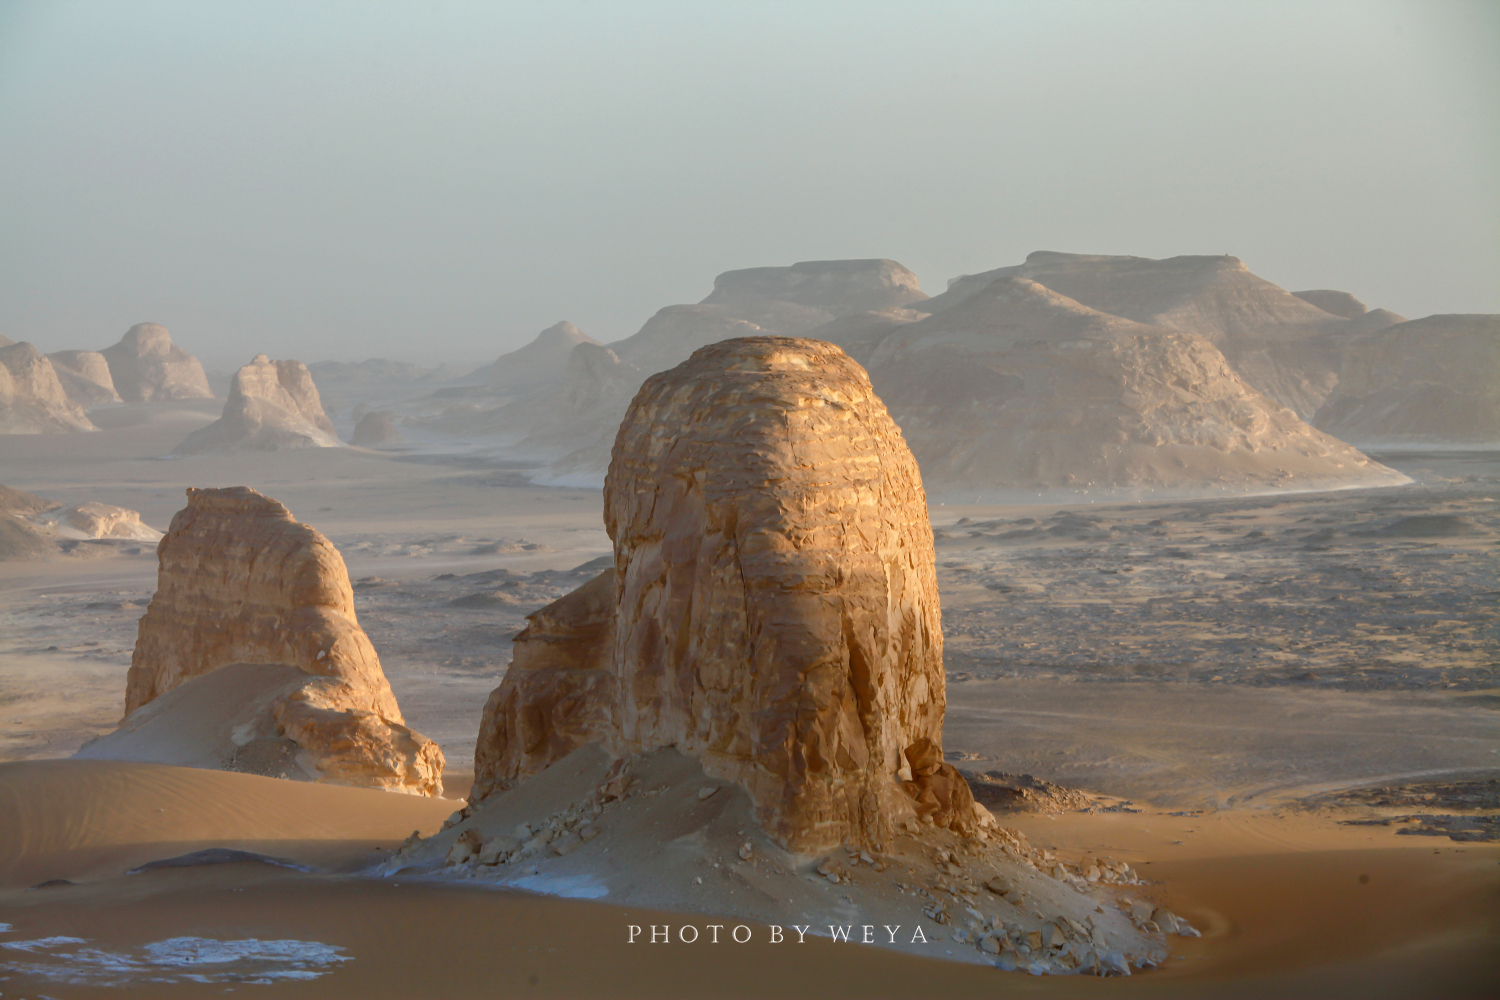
point(436, 181)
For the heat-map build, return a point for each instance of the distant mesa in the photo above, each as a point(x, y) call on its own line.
point(32, 399)
point(376, 429)
point(146, 367)
point(1019, 386)
point(1335, 302)
point(85, 377)
point(542, 361)
point(272, 406)
point(250, 658)
point(1427, 382)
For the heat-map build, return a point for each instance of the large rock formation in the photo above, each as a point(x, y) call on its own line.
point(32, 400)
point(773, 609)
point(146, 367)
point(544, 360)
point(272, 405)
point(242, 582)
point(85, 377)
point(1432, 381)
point(1019, 387)
point(376, 429)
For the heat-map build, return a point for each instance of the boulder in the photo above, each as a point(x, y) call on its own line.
point(272, 406)
point(32, 400)
point(85, 377)
point(146, 367)
point(773, 609)
point(242, 582)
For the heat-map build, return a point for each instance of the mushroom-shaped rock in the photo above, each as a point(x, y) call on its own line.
point(773, 608)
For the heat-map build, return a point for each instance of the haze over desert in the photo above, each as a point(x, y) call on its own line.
point(750, 500)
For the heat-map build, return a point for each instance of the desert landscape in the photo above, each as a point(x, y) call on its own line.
point(634, 499)
point(1215, 713)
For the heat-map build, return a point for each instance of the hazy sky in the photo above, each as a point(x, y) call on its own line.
point(435, 181)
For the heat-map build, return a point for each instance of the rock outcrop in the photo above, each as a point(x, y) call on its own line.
point(376, 429)
point(772, 612)
point(544, 360)
point(20, 537)
point(242, 582)
point(1019, 387)
point(272, 406)
point(1332, 301)
point(146, 367)
point(102, 520)
point(1432, 381)
point(32, 400)
point(85, 377)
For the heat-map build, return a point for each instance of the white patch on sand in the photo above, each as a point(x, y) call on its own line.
point(564, 886)
point(180, 959)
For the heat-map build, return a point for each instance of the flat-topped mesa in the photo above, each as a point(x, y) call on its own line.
point(272, 405)
point(242, 582)
point(837, 287)
point(773, 610)
point(146, 367)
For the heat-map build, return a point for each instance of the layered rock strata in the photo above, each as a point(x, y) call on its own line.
point(772, 612)
point(242, 582)
point(272, 405)
point(146, 367)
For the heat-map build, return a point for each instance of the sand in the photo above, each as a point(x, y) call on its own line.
point(1179, 682)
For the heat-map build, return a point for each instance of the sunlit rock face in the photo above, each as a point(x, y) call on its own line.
point(146, 367)
point(242, 582)
point(32, 400)
point(1431, 381)
point(272, 406)
point(773, 610)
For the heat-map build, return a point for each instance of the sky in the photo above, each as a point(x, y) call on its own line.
point(438, 181)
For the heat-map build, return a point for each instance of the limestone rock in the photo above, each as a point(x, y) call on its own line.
point(241, 582)
point(146, 367)
point(32, 400)
point(1432, 381)
point(20, 537)
point(543, 360)
point(376, 430)
point(102, 520)
point(85, 377)
point(775, 609)
point(1019, 387)
point(1335, 302)
point(272, 405)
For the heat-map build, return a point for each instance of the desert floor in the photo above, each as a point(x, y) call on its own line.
point(1231, 680)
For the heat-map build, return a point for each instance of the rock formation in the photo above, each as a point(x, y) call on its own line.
point(146, 367)
point(544, 360)
point(20, 537)
point(102, 520)
point(772, 612)
point(32, 400)
point(1018, 386)
point(1335, 302)
point(375, 430)
point(272, 405)
point(1432, 381)
point(85, 377)
point(242, 582)
point(831, 287)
